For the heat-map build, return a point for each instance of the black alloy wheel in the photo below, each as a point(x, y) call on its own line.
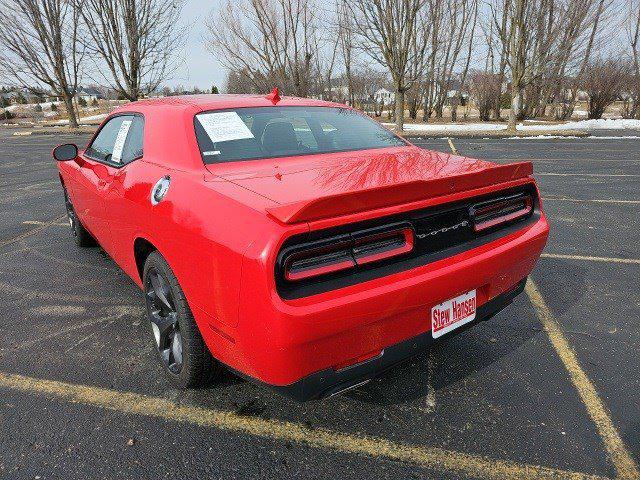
point(164, 321)
point(80, 234)
point(185, 358)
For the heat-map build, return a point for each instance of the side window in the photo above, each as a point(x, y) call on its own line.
point(119, 141)
point(133, 146)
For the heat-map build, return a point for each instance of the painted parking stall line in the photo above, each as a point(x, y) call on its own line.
point(431, 458)
point(632, 261)
point(31, 232)
point(622, 460)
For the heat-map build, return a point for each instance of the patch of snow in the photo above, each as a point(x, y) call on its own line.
point(588, 125)
point(28, 106)
point(541, 137)
point(101, 116)
point(621, 137)
point(450, 127)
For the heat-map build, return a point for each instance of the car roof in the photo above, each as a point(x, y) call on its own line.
point(162, 115)
point(216, 102)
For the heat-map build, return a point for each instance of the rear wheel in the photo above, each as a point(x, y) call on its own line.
point(186, 360)
point(80, 234)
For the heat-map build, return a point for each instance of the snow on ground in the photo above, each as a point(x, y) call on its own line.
point(562, 137)
point(44, 105)
point(587, 125)
point(84, 119)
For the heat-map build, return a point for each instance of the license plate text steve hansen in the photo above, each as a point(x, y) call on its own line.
point(453, 313)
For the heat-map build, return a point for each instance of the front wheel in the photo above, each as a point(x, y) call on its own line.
point(186, 360)
point(80, 234)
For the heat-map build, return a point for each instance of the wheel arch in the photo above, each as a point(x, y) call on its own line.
point(142, 248)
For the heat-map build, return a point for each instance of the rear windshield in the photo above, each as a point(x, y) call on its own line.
point(264, 132)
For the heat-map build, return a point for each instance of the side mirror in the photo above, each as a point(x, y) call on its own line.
point(66, 152)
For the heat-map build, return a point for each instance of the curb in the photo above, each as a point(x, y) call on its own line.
point(54, 131)
point(495, 134)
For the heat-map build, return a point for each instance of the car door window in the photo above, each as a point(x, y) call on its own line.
point(133, 146)
point(119, 141)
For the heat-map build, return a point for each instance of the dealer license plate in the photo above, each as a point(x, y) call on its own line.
point(453, 313)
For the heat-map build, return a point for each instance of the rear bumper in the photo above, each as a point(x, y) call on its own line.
point(330, 381)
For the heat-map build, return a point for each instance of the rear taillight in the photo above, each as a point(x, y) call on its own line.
point(501, 210)
point(347, 251)
point(313, 263)
point(381, 246)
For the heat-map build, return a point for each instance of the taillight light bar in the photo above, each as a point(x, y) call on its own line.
point(358, 249)
point(489, 214)
point(378, 247)
point(312, 264)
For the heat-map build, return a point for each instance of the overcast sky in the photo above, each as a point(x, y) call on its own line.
point(198, 67)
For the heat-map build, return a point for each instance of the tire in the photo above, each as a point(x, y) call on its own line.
point(80, 234)
point(185, 358)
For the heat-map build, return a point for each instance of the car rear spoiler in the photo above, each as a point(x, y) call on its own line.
point(380, 197)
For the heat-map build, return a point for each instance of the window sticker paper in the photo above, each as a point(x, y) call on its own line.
point(224, 126)
point(120, 139)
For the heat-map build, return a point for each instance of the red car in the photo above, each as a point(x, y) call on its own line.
point(297, 241)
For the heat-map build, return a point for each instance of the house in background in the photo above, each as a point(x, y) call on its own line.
point(89, 94)
point(384, 96)
point(16, 96)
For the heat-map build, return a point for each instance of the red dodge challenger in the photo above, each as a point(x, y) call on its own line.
point(297, 241)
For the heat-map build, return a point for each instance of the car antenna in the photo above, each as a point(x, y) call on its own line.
point(273, 96)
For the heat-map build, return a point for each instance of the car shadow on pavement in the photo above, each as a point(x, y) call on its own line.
point(562, 284)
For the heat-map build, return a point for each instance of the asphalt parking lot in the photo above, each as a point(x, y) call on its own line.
point(549, 388)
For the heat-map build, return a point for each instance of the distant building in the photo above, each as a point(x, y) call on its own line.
point(384, 96)
point(89, 94)
point(21, 95)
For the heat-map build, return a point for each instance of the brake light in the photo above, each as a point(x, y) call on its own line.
point(348, 252)
point(314, 263)
point(382, 246)
point(501, 210)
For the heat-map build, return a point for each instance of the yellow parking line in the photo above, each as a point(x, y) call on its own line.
point(431, 458)
point(620, 457)
point(37, 222)
point(590, 200)
point(635, 261)
point(22, 236)
point(454, 150)
point(604, 175)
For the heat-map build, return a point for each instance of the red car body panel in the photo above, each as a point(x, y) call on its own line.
point(221, 226)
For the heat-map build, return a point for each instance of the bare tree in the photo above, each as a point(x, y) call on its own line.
point(544, 41)
point(485, 88)
point(274, 41)
point(452, 28)
point(347, 43)
point(390, 34)
point(633, 31)
point(40, 43)
point(604, 84)
point(496, 61)
point(135, 39)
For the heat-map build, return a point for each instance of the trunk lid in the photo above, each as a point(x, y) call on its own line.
point(320, 186)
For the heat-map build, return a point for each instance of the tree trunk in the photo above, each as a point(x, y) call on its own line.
point(516, 100)
point(399, 110)
point(413, 108)
point(426, 109)
point(454, 108)
point(71, 110)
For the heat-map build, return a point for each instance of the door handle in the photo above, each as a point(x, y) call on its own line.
point(102, 183)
